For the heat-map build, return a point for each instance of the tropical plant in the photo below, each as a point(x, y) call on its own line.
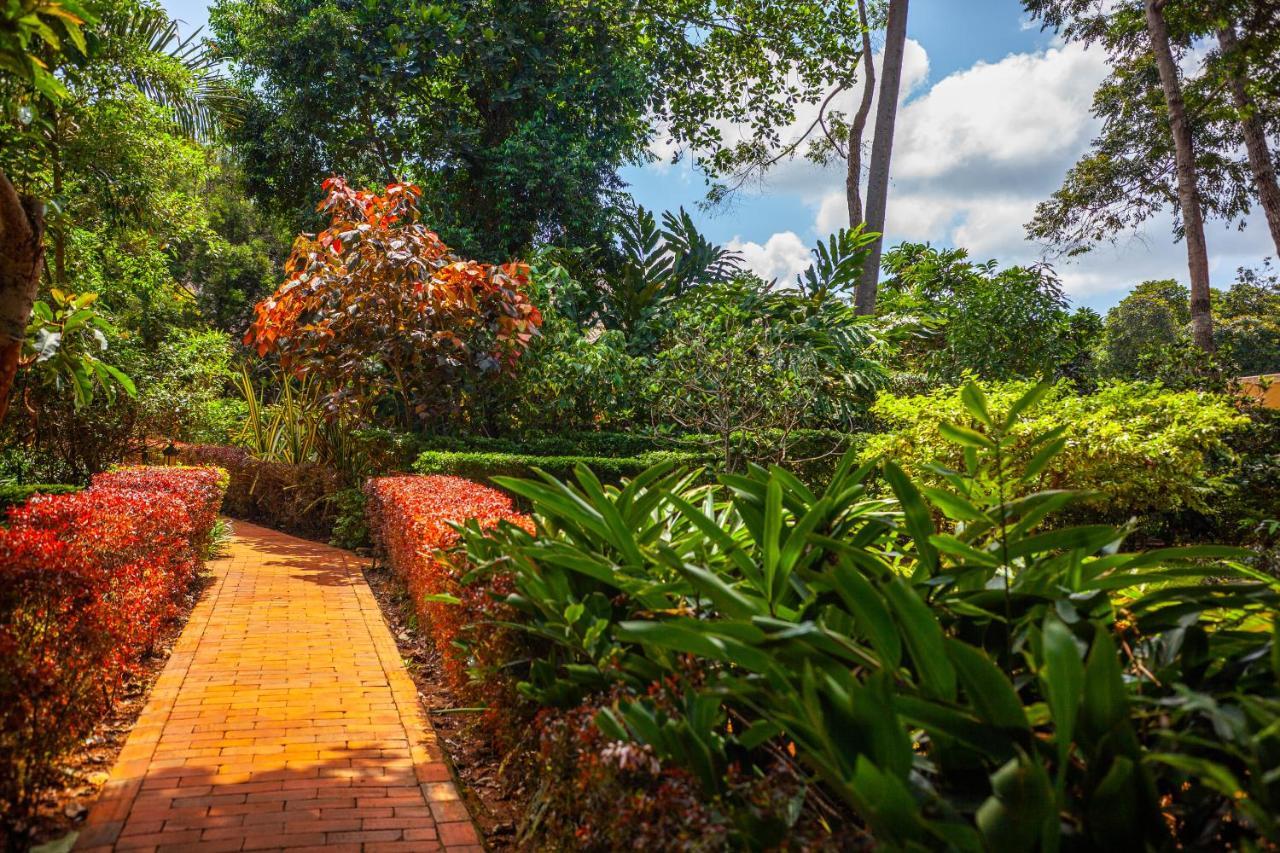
point(659, 265)
point(837, 264)
point(378, 312)
point(741, 360)
point(947, 667)
point(62, 340)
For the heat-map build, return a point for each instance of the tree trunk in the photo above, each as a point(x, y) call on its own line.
point(1188, 191)
point(1255, 137)
point(882, 150)
point(853, 178)
point(21, 259)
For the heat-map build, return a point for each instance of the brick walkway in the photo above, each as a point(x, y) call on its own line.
point(285, 718)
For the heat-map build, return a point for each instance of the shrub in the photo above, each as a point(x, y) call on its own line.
point(298, 499)
point(377, 308)
point(483, 466)
point(199, 489)
point(12, 494)
point(88, 581)
point(1143, 448)
point(411, 519)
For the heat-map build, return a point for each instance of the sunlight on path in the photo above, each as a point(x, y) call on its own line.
point(285, 718)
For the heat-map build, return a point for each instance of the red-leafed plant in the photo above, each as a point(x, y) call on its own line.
point(88, 582)
point(200, 489)
point(412, 520)
point(378, 308)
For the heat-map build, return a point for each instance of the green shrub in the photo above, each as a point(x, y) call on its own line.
point(1144, 449)
point(989, 680)
point(12, 494)
point(482, 466)
point(351, 527)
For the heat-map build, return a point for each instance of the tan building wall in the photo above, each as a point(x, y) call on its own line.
point(1265, 387)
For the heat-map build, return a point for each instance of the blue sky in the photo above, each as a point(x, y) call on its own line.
point(994, 113)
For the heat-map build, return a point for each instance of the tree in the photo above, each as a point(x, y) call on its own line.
point(514, 117)
point(998, 324)
point(1235, 59)
point(1143, 326)
point(27, 29)
point(882, 150)
point(378, 310)
point(1101, 192)
point(1185, 162)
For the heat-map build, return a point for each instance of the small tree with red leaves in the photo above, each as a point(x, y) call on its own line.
point(381, 312)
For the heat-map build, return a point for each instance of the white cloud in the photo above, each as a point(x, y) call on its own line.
point(783, 256)
point(974, 153)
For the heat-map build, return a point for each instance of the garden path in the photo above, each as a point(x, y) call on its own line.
point(284, 719)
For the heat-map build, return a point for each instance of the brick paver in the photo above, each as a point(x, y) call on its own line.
point(284, 719)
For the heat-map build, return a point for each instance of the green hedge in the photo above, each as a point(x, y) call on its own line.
point(612, 444)
point(482, 466)
point(12, 494)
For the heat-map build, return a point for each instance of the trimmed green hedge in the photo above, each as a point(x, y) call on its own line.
point(482, 466)
point(612, 444)
point(12, 494)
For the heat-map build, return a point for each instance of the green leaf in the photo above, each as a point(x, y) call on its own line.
point(1063, 677)
point(964, 436)
point(975, 402)
point(1026, 401)
point(1021, 806)
point(924, 639)
point(987, 687)
point(916, 516)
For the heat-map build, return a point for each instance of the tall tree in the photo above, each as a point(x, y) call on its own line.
point(1235, 62)
point(1154, 151)
point(1185, 161)
point(882, 150)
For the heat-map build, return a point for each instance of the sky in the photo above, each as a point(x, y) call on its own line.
point(993, 113)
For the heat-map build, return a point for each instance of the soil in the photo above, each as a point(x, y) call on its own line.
point(477, 768)
point(62, 811)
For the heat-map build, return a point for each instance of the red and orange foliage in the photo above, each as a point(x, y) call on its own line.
point(87, 583)
point(411, 519)
point(376, 305)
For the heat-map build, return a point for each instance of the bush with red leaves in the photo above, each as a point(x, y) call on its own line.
point(411, 521)
point(88, 581)
point(200, 489)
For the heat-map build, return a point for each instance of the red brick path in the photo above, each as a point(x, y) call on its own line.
point(284, 719)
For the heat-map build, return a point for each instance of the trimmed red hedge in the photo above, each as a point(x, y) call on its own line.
point(88, 582)
point(410, 519)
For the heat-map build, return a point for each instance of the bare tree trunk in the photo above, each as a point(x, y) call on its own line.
point(1255, 137)
point(1188, 191)
point(882, 151)
point(21, 259)
point(853, 178)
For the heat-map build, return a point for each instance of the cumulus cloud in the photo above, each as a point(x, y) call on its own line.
point(783, 256)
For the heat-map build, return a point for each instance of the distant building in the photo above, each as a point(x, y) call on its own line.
point(1265, 388)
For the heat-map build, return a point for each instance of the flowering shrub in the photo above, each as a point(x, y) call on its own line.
point(411, 520)
point(87, 583)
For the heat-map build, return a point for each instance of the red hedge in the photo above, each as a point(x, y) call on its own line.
point(410, 519)
point(87, 583)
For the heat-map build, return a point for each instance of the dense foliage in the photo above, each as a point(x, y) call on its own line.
point(1137, 448)
point(986, 680)
point(376, 309)
point(90, 579)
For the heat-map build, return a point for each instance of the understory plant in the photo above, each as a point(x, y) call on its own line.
point(942, 667)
